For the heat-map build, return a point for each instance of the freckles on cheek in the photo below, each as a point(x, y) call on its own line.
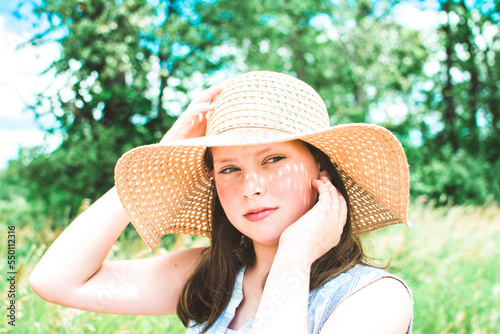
point(302, 189)
point(224, 194)
point(310, 193)
point(228, 206)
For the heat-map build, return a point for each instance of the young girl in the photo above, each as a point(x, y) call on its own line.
point(255, 166)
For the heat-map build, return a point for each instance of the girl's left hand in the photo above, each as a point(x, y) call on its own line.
point(320, 229)
point(193, 121)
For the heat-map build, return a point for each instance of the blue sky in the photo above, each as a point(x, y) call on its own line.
point(20, 80)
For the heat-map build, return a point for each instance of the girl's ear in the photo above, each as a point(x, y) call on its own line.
point(322, 170)
point(213, 175)
point(322, 161)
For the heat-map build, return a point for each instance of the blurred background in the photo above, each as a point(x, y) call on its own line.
point(83, 81)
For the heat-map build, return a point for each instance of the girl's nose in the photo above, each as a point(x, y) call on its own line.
point(253, 185)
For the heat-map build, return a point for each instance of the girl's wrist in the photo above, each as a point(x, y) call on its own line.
point(293, 253)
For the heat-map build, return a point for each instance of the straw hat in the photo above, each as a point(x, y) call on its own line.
point(166, 188)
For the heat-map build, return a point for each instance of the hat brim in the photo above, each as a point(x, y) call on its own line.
point(166, 188)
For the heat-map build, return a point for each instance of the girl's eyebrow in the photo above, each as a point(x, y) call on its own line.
point(258, 153)
point(223, 160)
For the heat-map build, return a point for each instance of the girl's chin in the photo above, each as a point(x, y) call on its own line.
point(267, 234)
point(269, 240)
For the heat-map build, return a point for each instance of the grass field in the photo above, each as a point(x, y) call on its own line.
point(450, 259)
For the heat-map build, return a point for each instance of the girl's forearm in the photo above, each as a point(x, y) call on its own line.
point(78, 253)
point(284, 304)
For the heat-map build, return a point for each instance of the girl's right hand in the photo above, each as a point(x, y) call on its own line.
point(193, 121)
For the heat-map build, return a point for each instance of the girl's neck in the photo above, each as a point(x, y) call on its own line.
point(264, 257)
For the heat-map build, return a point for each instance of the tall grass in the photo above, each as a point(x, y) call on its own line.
point(450, 259)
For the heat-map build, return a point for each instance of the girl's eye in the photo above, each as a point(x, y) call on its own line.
point(228, 170)
point(275, 159)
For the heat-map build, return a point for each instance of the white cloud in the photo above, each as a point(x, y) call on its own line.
point(20, 80)
point(24, 138)
point(421, 16)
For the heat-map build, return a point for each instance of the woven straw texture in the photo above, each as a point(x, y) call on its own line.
point(167, 188)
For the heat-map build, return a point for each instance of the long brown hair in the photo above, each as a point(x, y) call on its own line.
point(208, 291)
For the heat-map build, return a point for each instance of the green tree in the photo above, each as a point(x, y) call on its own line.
point(354, 57)
point(460, 122)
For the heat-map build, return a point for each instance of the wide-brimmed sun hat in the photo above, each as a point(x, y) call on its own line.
point(167, 188)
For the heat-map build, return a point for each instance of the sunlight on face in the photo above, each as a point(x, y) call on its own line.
point(265, 188)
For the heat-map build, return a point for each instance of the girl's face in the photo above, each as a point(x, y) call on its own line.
point(265, 188)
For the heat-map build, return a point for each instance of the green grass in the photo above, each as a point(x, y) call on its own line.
point(450, 259)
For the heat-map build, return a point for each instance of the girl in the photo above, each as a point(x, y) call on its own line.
point(282, 196)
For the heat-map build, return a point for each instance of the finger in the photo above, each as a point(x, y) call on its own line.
point(343, 208)
point(334, 203)
point(316, 184)
point(204, 107)
point(208, 95)
point(323, 192)
point(331, 188)
point(197, 108)
point(338, 203)
point(328, 184)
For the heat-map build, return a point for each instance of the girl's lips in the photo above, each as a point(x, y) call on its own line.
point(259, 214)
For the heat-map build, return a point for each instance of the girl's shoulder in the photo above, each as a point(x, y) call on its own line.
point(350, 281)
point(325, 299)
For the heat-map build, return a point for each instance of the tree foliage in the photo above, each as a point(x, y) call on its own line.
point(460, 115)
point(351, 56)
point(128, 67)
